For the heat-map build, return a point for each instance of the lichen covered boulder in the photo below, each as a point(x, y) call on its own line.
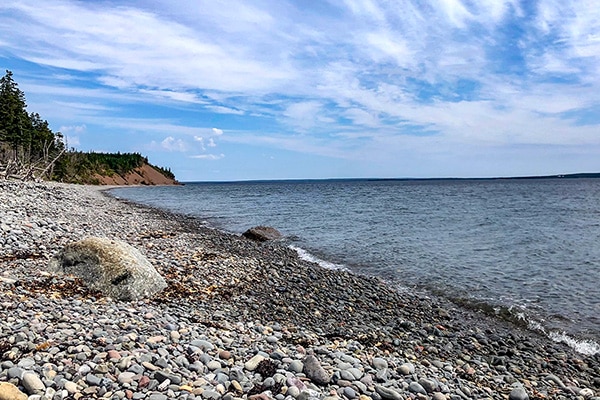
point(110, 266)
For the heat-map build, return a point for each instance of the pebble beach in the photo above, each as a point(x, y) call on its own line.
point(241, 320)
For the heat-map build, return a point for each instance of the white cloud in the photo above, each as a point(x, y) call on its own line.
point(383, 46)
point(73, 129)
point(174, 95)
point(133, 47)
point(456, 11)
point(388, 70)
point(172, 144)
point(362, 117)
point(225, 110)
point(209, 156)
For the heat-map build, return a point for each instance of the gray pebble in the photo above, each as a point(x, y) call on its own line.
point(296, 366)
point(379, 363)
point(32, 383)
point(388, 393)
point(314, 371)
point(93, 380)
point(518, 394)
point(415, 387)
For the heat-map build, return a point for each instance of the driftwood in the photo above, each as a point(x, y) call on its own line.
point(34, 171)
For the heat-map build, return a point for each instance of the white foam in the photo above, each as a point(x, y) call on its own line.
point(306, 256)
point(587, 347)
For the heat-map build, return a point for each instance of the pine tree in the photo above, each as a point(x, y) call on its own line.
point(15, 125)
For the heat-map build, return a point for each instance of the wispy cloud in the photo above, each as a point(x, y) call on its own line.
point(340, 79)
point(211, 157)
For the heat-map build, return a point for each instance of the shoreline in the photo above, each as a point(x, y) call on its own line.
point(272, 304)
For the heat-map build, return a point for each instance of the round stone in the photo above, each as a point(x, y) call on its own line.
point(518, 394)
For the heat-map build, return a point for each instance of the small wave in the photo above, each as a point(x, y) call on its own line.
point(519, 317)
point(588, 347)
point(306, 256)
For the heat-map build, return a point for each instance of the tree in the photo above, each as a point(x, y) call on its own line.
point(15, 125)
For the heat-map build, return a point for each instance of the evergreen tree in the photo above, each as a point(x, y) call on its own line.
point(15, 125)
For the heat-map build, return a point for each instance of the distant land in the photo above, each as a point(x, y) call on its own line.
point(558, 176)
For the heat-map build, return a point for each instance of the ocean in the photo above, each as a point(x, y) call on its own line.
point(527, 250)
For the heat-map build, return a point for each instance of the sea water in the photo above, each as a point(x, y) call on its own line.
point(524, 249)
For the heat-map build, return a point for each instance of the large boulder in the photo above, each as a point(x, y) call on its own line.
point(110, 266)
point(262, 233)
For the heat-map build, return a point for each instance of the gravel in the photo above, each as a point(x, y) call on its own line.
point(240, 320)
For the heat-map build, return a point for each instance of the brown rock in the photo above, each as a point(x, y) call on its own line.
point(8, 391)
point(262, 233)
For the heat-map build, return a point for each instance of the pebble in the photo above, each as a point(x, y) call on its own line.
point(388, 393)
point(8, 391)
point(32, 383)
point(380, 363)
point(296, 366)
point(406, 369)
point(314, 371)
point(210, 344)
point(518, 394)
point(71, 387)
point(415, 387)
point(252, 363)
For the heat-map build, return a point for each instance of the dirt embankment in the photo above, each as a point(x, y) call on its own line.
point(144, 175)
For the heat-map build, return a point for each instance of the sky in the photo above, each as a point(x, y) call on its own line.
point(306, 89)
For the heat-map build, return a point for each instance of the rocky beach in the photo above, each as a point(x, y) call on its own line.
point(240, 319)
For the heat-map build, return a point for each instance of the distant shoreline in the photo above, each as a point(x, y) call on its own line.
point(584, 175)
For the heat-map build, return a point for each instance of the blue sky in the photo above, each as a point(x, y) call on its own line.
point(278, 89)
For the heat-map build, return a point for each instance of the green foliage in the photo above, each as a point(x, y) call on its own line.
point(80, 167)
point(165, 171)
point(27, 139)
point(15, 126)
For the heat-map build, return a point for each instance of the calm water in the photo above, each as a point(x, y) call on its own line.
point(528, 246)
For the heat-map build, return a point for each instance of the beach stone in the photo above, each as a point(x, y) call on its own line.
point(388, 393)
point(518, 394)
point(293, 391)
point(587, 393)
point(428, 384)
point(202, 344)
point(112, 267)
point(406, 369)
point(71, 387)
point(224, 355)
point(26, 363)
point(356, 373)
point(32, 383)
point(8, 391)
point(349, 392)
point(379, 363)
point(415, 387)
point(15, 372)
point(163, 376)
point(252, 363)
point(296, 366)
point(125, 377)
point(262, 233)
point(314, 371)
point(213, 364)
